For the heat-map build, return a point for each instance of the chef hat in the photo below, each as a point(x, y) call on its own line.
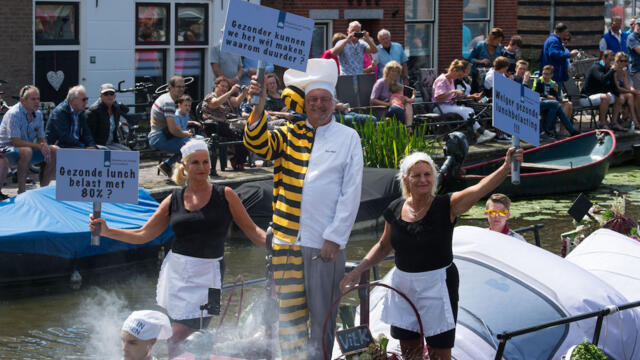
point(193, 145)
point(147, 325)
point(320, 74)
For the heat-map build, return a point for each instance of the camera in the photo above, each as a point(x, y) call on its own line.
point(358, 34)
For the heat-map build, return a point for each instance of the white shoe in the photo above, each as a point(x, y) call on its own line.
point(486, 136)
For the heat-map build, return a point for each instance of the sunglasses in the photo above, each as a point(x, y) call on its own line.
point(85, 99)
point(25, 89)
point(108, 93)
point(494, 212)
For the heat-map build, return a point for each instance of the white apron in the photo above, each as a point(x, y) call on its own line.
point(428, 292)
point(184, 282)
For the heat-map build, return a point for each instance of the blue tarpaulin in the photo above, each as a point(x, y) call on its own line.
point(34, 222)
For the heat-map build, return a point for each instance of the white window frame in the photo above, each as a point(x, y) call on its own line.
point(432, 52)
point(328, 33)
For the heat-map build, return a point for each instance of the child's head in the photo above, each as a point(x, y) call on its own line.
point(515, 43)
point(184, 104)
point(497, 211)
point(547, 72)
point(396, 88)
point(501, 65)
point(521, 67)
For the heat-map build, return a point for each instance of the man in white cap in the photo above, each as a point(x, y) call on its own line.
point(317, 183)
point(140, 332)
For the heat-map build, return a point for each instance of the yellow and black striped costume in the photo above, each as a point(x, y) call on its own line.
point(289, 147)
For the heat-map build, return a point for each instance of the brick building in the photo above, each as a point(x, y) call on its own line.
point(57, 44)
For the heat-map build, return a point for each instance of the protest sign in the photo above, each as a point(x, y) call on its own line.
point(516, 109)
point(97, 176)
point(262, 33)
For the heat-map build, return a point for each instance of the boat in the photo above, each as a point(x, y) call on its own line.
point(508, 285)
point(379, 188)
point(42, 239)
point(570, 165)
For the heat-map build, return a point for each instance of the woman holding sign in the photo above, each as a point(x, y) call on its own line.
point(200, 215)
point(419, 228)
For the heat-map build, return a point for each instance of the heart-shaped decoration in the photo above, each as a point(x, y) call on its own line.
point(55, 79)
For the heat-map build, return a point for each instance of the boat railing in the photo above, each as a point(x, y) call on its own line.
point(534, 228)
point(600, 314)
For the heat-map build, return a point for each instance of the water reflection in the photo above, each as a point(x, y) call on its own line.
point(85, 324)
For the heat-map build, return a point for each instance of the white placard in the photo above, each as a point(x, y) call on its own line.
point(516, 109)
point(262, 33)
point(97, 175)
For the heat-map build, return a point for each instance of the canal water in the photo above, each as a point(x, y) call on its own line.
point(60, 323)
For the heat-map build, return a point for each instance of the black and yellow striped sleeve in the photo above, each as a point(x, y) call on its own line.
point(268, 144)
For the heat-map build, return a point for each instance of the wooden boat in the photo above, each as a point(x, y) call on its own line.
point(573, 164)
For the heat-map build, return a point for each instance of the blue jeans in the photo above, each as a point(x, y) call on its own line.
point(551, 110)
point(351, 118)
point(13, 156)
point(172, 146)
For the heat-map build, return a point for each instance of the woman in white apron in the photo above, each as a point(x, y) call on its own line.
point(419, 228)
point(200, 215)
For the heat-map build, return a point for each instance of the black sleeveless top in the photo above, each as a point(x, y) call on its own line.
point(426, 244)
point(200, 233)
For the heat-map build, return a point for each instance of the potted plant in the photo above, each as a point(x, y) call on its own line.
point(585, 351)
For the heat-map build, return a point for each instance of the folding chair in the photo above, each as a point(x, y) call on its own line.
point(574, 95)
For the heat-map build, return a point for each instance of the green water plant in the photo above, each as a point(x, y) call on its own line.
point(386, 142)
point(587, 351)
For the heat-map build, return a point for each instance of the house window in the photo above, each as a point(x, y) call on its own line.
point(321, 39)
point(56, 23)
point(476, 18)
point(151, 67)
point(190, 62)
point(418, 40)
point(192, 24)
point(152, 24)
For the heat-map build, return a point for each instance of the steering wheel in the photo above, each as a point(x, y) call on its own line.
point(164, 88)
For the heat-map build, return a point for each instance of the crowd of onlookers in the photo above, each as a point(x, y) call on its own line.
point(611, 82)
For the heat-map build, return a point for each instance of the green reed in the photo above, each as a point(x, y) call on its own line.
point(386, 142)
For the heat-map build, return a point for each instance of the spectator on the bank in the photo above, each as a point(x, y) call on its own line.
point(166, 134)
point(600, 87)
point(22, 136)
point(500, 66)
point(67, 126)
point(614, 39)
point(633, 46)
point(630, 95)
point(274, 105)
point(512, 52)
point(141, 331)
point(103, 119)
point(486, 51)
point(4, 171)
point(445, 94)
point(351, 50)
point(549, 105)
point(328, 54)
point(632, 23)
point(183, 108)
point(389, 50)
point(221, 106)
point(401, 106)
point(381, 92)
point(370, 65)
point(464, 83)
point(522, 74)
point(250, 68)
point(497, 213)
point(554, 53)
point(225, 64)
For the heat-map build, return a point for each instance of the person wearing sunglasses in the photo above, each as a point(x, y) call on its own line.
point(497, 213)
point(67, 126)
point(103, 118)
point(22, 139)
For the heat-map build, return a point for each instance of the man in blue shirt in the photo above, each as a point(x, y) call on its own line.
point(67, 126)
point(553, 53)
point(387, 51)
point(22, 137)
point(633, 46)
point(614, 39)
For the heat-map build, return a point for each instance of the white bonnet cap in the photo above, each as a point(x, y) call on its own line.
point(193, 145)
point(147, 325)
point(320, 74)
point(412, 159)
